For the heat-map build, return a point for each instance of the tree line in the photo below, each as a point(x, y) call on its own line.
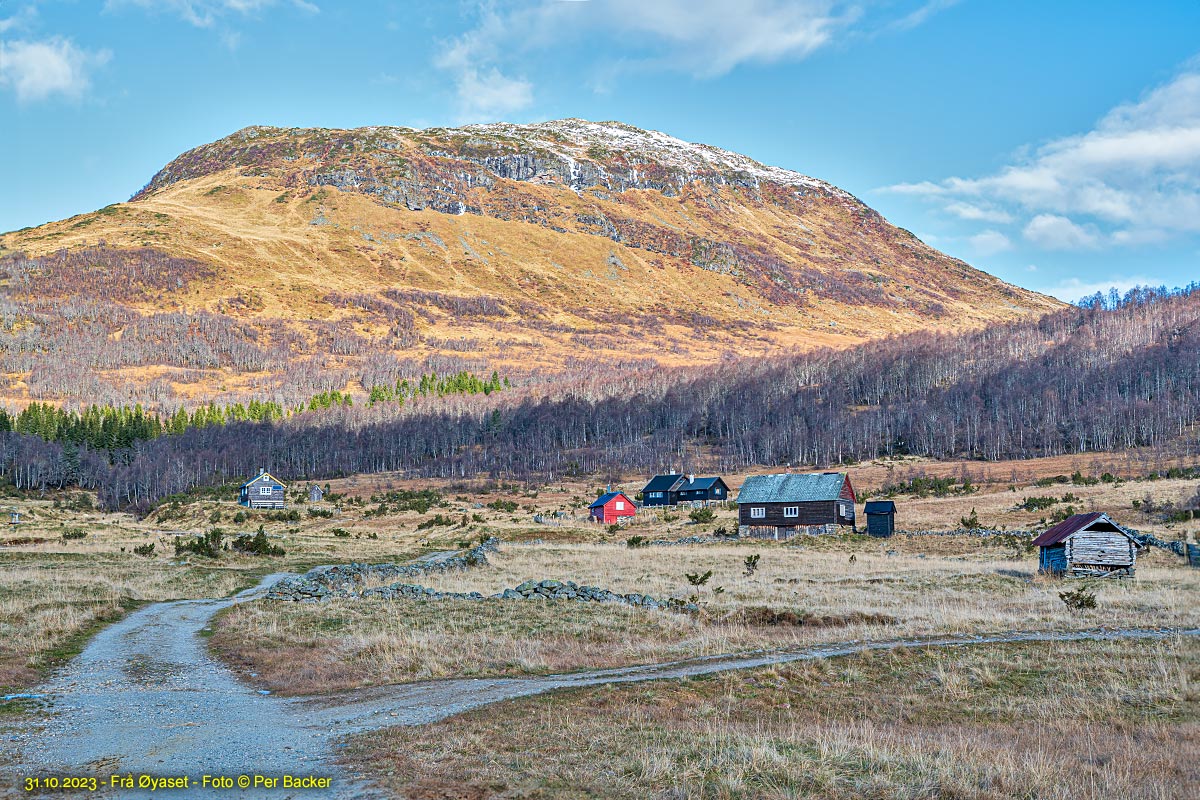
point(1077, 381)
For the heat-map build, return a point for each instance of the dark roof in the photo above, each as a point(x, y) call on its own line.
point(788, 488)
point(1073, 525)
point(881, 507)
point(699, 483)
point(604, 498)
point(662, 483)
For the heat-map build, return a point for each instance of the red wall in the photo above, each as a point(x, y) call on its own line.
point(608, 513)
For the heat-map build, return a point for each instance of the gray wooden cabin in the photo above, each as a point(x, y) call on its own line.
point(1087, 545)
point(262, 491)
point(315, 494)
point(780, 506)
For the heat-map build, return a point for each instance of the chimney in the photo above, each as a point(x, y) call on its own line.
point(672, 472)
point(691, 478)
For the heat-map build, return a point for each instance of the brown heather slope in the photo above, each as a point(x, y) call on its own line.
point(515, 246)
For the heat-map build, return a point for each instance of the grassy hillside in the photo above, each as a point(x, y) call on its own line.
point(516, 247)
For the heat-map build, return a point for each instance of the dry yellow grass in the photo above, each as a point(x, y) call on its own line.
point(349, 643)
point(1071, 721)
point(280, 249)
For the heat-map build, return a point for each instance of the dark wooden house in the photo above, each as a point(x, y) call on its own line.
point(672, 489)
point(1087, 545)
point(612, 507)
point(660, 491)
point(780, 505)
point(262, 491)
point(881, 518)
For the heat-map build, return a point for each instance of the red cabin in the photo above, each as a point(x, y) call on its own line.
point(610, 508)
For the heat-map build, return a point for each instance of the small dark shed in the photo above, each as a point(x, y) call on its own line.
point(1087, 545)
point(315, 494)
point(881, 518)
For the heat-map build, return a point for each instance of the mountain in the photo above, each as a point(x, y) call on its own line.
point(289, 260)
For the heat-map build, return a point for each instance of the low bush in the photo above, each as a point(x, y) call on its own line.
point(257, 545)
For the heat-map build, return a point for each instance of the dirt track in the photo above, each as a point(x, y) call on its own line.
point(145, 697)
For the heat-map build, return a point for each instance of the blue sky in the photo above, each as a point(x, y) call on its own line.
point(1056, 145)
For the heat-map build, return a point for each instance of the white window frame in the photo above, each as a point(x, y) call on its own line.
point(791, 511)
point(620, 505)
point(656, 494)
point(717, 492)
point(264, 491)
point(758, 512)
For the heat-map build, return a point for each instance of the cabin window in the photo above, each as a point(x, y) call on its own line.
point(758, 513)
point(656, 494)
point(791, 511)
point(716, 491)
point(264, 490)
point(620, 505)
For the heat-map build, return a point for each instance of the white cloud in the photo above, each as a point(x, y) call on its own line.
point(204, 13)
point(1135, 176)
point(491, 94)
point(35, 70)
point(989, 242)
point(703, 38)
point(973, 212)
point(1053, 232)
point(1072, 290)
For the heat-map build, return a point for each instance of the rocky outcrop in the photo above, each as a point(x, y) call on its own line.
point(349, 580)
point(532, 590)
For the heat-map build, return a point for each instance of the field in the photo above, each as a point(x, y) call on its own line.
point(967, 722)
point(1080, 720)
point(54, 588)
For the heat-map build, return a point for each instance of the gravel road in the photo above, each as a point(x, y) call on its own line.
point(145, 698)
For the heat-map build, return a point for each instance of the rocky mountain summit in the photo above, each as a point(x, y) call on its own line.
point(517, 247)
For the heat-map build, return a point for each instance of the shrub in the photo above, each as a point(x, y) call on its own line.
point(614, 528)
point(436, 521)
point(341, 533)
point(146, 550)
point(208, 545)
point(284, 516)
point(634, 542)
point(507, 506)
point(1037, 503)
point(751, 564)
point(971, 522)
point(239, 518)
point(74, 533)
point(700, 515)
point(1079, 599)
point(257, 545)
point(698, 579)
point(323, 513)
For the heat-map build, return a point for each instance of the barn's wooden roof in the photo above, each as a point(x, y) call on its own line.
point(1073, 525)
point(788, 488)
point(880, 507)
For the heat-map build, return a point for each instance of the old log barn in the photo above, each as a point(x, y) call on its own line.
point(881, 518)
point(672, 489)
point(262, 491)
point(779, 506)
point(612, 507)
point(1087, 545)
